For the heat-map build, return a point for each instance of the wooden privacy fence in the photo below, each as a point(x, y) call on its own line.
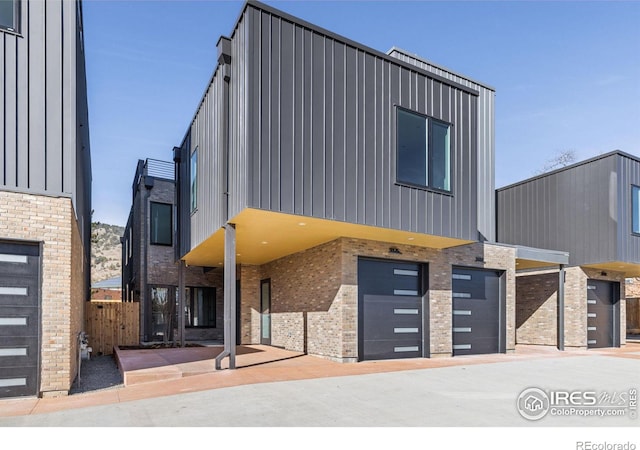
point(111, 324)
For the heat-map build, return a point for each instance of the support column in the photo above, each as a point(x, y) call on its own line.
point(561, 277)
point(229, 298)
point(181, 303)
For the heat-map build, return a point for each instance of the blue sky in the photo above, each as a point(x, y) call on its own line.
point(566, 74)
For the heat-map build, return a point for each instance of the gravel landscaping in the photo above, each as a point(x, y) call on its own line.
point(97, 373)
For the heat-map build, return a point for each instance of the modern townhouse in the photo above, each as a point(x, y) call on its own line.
point(592, 211)
point(346, 196)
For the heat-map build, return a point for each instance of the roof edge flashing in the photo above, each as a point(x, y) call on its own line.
point(570, 167)
point(399, 50)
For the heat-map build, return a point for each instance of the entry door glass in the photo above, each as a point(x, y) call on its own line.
point(265, 310)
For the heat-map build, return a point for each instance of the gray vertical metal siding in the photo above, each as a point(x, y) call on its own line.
point(207, 135)
point(573, 210)
point(312, 132)
point(43, 97)
point(628, 176)
point(485, 138)
point(323, 132)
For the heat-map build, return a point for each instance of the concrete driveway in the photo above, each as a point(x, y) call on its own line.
point(467, 395)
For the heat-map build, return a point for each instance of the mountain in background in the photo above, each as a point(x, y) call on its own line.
point(106, 251)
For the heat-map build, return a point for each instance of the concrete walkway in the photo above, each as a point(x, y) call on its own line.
point(299, 390)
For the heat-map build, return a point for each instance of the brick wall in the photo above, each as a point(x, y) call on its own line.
point(52, 221)
point(633, 288)
point(536, 314)
point(315, 294)
point(250, 308)
point(306, 300)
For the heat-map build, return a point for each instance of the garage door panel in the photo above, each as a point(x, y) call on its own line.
point(383, 278)
point(393, 349)
point(18, 321)
point(18, 381)
point(390, 310)
point(19, 269)
point(479, 346)
point(391, 319)
point(477, 328)
point(18, 290)
point(18, 352)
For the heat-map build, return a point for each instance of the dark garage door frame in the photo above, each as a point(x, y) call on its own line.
point(20, 334)
point(377, 279)
point(473, 308)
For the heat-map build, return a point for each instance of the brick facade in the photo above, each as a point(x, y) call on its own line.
point(315, 294)
point(537, 295)
point(52, 221)
point(162, 270)
point(632, 288)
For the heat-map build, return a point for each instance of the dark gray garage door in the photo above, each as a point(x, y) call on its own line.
point(603, 314)
point(478, 312)
point(390, 310)
point(19, 319)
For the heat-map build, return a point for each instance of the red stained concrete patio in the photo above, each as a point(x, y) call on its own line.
point(151, 373)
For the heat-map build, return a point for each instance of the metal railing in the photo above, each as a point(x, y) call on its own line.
point(160, 169)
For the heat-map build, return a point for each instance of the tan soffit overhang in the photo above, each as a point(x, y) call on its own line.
point(263, 236)
point(630, 270)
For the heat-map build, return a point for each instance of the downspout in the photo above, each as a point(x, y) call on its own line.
point(148, 185)
point(224, 59)
point(177, 242)
point(561, 280)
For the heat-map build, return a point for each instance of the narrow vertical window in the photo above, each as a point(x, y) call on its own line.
point(440, 156)
point(635, 209)
point(161, 223)
point(194, 180)
point(10, 15)
point(412, 148)
point(423, 151)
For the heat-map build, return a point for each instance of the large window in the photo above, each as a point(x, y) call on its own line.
point(10, 15)
point(200, 309)
point(423, 156)
point(635, 209)
point(161, 223)
point(194, 180)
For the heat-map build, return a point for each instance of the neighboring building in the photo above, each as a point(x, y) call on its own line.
point(348, 196)
point(592, 211)
point(45, 195)
point(150, 273)
point(107, 290)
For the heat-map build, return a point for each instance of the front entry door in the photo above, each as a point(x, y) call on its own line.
point(265, 312)
point(603, 314)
